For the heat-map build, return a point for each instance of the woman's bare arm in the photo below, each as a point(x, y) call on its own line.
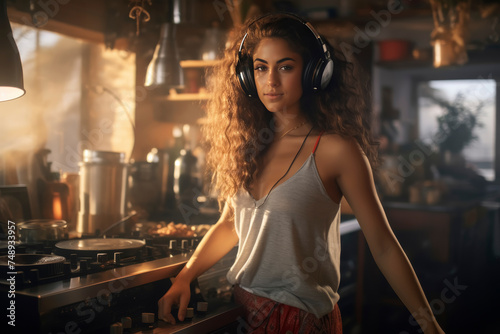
point(355, 180)
point(218, 241)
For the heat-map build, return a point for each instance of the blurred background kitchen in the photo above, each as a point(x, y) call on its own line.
point(107, 135)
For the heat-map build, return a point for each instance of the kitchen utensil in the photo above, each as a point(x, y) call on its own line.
point(145, 185)
point(394, 49)
point(103, 185)
point(187, 180)
point(121, 221)
point(42, 231)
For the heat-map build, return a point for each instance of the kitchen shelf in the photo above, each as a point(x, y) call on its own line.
point(404, 64)
point(486, 55)
point(200, 96)
point(332, 27)
point(174, 96)
point(181, 107)
point(179, 111)
point(198, 63)
point(184, 107)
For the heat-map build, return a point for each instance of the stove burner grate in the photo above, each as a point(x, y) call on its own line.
point(36, 266)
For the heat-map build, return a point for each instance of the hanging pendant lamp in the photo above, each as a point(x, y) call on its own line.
point(11, 69)
point(164, 71)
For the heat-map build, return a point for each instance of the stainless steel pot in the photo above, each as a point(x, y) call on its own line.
point(103, 185)
point(42, 230)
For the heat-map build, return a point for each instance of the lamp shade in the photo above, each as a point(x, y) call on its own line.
point(164, 71)
point(11, 69)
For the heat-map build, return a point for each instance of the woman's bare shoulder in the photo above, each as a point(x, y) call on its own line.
point(335, 154)
point(334, 145)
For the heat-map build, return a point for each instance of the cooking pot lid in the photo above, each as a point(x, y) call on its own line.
point(39, 224)
point(100, 245)
point(90, 156)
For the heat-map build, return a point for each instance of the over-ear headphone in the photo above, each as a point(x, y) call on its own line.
point(317, 72)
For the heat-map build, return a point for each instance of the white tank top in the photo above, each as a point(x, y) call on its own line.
point(289, 243)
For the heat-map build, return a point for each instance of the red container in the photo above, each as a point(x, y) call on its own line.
point(394, 49)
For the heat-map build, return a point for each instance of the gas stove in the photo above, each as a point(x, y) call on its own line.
point(95, 285)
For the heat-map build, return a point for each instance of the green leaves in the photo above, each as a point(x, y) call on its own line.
point(456, 126)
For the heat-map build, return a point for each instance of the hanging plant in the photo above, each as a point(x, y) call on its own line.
point(457, 124)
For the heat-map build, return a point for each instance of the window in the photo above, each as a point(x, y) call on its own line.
point(79, 95)
point(480, 154)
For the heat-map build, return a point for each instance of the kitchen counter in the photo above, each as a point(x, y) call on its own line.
point(446, 242)
point(95, 299)
point(439, 207)
point(227, 318)
point(432, 230)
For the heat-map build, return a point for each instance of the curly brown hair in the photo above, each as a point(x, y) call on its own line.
point(238, 128)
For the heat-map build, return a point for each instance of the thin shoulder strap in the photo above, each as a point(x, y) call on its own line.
point(317, 142)
point(289, 167)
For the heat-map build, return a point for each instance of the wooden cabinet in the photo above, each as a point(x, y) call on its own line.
point(438, 229)
point(188, 106)
point(447, 245)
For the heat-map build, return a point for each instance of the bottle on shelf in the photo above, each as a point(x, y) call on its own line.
point(187, 177)
point(173, 153)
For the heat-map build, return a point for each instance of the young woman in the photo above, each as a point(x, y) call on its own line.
point(289, 139)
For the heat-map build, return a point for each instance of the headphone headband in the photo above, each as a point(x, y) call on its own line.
point(309, 26)
point(317, 73)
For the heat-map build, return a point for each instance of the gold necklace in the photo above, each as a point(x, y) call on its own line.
point(288, 131)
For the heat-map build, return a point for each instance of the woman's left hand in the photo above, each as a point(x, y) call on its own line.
point(434, 328)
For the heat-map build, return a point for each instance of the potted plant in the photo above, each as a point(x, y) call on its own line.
point(456, 126)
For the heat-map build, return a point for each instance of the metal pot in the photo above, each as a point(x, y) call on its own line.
point(42, 230)
point(103, 185)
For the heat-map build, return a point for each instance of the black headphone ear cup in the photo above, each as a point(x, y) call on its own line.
point(252, 88)
point(244, 71)
point(309, 77)
point(317, 75)
point(326, 73)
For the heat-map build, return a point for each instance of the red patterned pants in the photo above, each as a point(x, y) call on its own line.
point(265, 316)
